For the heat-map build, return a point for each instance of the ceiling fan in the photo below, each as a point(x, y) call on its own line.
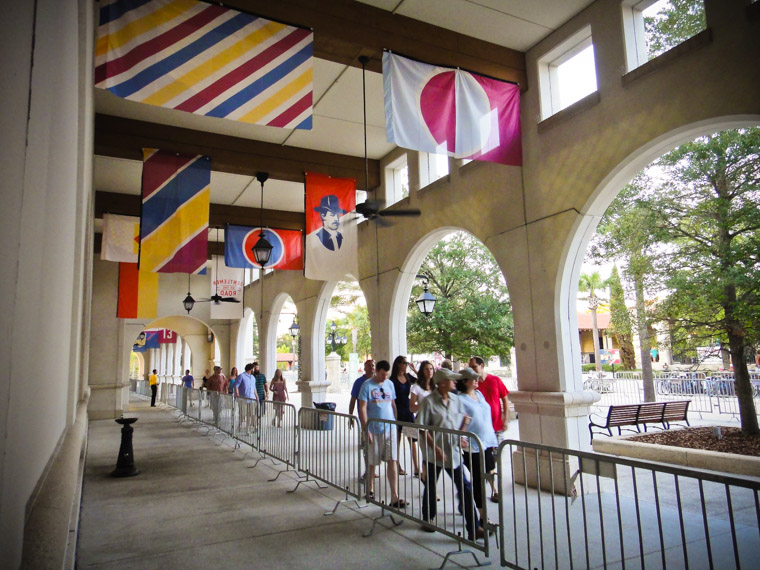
point(216, 297)
point(375, 209)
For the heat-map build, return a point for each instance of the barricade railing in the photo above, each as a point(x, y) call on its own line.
point(598, 511)
point(247, 422)
point(278, 432)
point(330, 450)
point(143, 388)
point(180, 400)
point(456, 514)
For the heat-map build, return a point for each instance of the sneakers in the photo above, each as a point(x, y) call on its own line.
point(426, 527)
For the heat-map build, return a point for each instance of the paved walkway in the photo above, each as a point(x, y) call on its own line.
point(196, 504)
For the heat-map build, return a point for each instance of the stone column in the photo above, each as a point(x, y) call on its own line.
point(333, 372)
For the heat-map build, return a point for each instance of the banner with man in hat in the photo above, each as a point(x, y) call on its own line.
point(331, 242)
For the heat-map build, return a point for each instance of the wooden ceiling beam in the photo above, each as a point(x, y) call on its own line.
point(219, 214)
point(345, 29)
point(125, 138)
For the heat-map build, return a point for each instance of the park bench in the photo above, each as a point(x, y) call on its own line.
point(637, 415)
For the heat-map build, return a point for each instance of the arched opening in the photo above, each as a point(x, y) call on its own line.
point(469, 285)
point(284, 330)
point(660, 211)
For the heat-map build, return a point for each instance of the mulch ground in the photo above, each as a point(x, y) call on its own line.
point(733, 440)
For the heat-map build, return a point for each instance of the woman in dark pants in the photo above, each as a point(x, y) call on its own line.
point(402, 382)
point(477, 408)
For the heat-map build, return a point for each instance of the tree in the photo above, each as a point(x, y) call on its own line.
point(473, 314)
point(674, 23)
point(708, 206)
point(591, 283)
point(621, 323)
point(627, 233)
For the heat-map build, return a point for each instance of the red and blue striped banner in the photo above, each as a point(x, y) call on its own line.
point(206, 59)
point(175, 205)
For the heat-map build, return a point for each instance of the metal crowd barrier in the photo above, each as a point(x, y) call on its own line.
point(455, 514)
point(707, 394)
point(278, 433)
point(247, 418)
point(330, 450)
point(599, 511)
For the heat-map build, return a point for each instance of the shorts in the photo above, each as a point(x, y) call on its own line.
point(410, 432)
point(384, 447)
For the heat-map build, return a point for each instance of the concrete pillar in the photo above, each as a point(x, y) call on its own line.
point(333, 372)
point(312, 385)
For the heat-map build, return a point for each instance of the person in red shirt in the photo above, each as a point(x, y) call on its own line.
point(497, 396)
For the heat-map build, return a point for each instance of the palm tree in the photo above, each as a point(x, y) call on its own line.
point(591, 283)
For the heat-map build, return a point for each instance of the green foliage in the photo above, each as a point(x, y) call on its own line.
point(605, 368)
point(675, 23)
point(473, 314)
point(358, 320)
point(621, 323)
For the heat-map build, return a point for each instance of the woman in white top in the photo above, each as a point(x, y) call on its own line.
point(419, 391)
point(477, 408)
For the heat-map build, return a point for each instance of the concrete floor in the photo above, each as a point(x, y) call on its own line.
point(196, 504)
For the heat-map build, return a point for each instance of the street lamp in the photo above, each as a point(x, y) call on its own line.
point(335, 338)
point(426, 301)
point(262, 249)
point(294, 330)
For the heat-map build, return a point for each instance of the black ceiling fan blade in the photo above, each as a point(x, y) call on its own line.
point(229, 300)
point(394, 213)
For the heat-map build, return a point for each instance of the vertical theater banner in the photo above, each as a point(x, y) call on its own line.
point(331, 237)
point(227, 282)
point(176, 195)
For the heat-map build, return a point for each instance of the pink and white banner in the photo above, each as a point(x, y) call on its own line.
point(451, 111)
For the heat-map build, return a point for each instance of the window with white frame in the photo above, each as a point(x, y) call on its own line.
point(567, 73)
point(397, 180)
point(652, 27)
point(432, 167)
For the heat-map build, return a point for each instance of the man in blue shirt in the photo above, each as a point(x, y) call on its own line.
point(369, 372)
point(262, 388)
point(377, 401)
point(245, 387)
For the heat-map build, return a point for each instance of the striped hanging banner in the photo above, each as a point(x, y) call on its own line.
point(175, 205)
point(206, 59)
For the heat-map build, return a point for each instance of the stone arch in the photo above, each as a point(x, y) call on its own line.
point(405, 282)
point(585, 227)
point(194, 331)
point(317, 332)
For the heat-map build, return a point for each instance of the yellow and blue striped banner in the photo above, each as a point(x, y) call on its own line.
point(206, 59)
point(174, 220)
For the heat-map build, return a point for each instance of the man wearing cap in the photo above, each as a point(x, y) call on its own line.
point(440, 450)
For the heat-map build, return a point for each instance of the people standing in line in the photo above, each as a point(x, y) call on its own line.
point(440, 450)
point(187, 380)
point(262, 388)
point(475, 406)
point(245, 388)
point(216, 385)
point(232, 378)
point(279, 390)
point(369, 372)
point(418, 392)
point(402, 383)
point(377, 401)
point(497, 396)
point(153, 381)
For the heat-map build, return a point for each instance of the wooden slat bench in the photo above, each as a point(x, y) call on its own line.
point(637, 415)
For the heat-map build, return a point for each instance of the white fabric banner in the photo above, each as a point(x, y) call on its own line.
point(121, 238)
point(227, 282)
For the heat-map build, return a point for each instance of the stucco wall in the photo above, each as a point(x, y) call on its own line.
point(46, 188)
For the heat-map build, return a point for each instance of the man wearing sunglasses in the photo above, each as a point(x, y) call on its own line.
point(377, 401)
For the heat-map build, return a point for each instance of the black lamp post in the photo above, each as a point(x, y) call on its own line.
point(426, 301)
point(294, 330)
point(262, 249)
point(334, 338)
